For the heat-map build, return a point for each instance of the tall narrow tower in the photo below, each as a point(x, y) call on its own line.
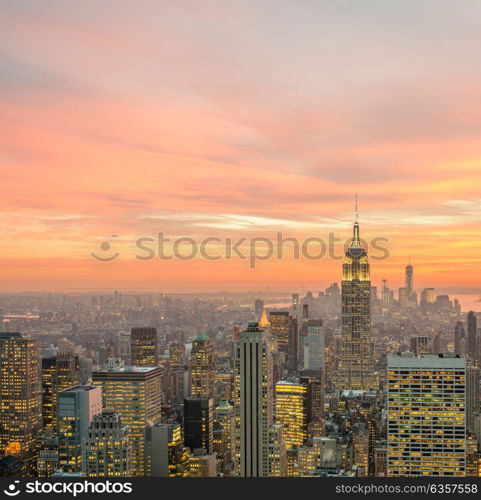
point(253, 403)
point(471, 337)
point(409, 279)
point(355, 364)
point(202, 367)
point(20, 398)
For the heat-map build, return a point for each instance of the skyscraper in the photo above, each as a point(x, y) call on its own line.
point(134, 393)
point(144, 350)
point(76, 409)
point(106, 446)
point(355, 364)
point(280, 324)
point(199, 423)
point(314, 345)
point(459, 338)
point(409, 280)
point(202, 367)
point(253, 403)
point(258, 307)
point(176, 356)
point(292, 411)
point(471, 334)
point(472, 395)
point(419, 344)
point(59, 372)
point(426, 415)
point(224, 416)
point(20, 398)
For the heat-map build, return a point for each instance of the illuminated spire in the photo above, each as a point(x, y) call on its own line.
point(264, 322)
point(356, 240)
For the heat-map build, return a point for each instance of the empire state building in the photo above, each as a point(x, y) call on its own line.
point(355, 364)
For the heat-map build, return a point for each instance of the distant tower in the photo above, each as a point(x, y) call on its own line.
point(355, 364)
point(409, 279)
point(202, 367)
point(144, 347)
point(258, 307)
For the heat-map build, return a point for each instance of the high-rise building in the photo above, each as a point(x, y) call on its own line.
point(20, 398)
point(385, 294)
point(295, 304)
point(426, 415)
point(471, 341)
point(258, 307)
point(292, 411)
point(144, 349)
point(225, 417)
point(176, 361)
point(199, 423)
point(280, 325)
point(76, 408)
point(176, 356)
point(403, 297)
point(428, 296)
point(106, 446)
point(419, 344)
point(253, 402)
point(202, 367)
point(355, 364)
point(277, 452)
point(134, 393)
point(314, 379)
point(409, 279)
point(202, 464)
point(59, 372)
point(459, 338)
point(169, 456)
point(472, 395)
point(314, 345)
point(360, 444)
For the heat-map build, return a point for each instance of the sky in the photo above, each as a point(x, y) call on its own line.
point(233, 119)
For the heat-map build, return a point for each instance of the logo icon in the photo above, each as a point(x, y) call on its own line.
point(12, 490)
point(105, 247)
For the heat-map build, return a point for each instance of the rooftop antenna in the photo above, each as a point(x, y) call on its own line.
point(356, 212)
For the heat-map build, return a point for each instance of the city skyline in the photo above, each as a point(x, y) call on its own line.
point(108, 131)
point(240, 239)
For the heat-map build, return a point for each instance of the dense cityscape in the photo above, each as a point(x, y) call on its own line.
point(355, 380)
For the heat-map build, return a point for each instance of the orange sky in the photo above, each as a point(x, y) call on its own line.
point(234, 119)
